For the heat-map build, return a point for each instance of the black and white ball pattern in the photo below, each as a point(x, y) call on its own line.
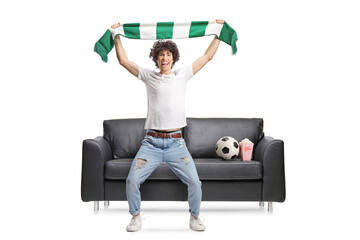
point(227, 148)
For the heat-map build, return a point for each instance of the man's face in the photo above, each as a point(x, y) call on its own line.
point(165, 60)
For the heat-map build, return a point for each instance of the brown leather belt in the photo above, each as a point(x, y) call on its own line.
point(164, 135)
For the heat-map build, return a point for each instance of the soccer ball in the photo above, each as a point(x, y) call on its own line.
point(227, 148)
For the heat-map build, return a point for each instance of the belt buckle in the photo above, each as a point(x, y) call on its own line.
point(162, 135)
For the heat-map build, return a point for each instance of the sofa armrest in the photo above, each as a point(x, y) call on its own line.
point(95, 153)
point(270, 152)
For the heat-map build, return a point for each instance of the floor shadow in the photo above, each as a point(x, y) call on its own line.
point(166, 230)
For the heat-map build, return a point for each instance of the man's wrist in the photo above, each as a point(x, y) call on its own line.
point(117, 37)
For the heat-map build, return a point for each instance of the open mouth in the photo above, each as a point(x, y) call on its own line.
point(164, 64)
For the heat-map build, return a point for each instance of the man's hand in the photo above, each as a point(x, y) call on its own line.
point(221, 21)
point(116, 25)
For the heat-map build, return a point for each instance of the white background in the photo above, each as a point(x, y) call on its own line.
point(297, 67)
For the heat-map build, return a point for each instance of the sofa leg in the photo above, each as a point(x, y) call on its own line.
point(106, 203)
point(270, 206)
point(96, 206)
point(261, 204)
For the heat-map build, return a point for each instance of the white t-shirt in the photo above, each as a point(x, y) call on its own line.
point(166, 97)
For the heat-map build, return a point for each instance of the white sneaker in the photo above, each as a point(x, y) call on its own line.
point(196, 223)
point(135, 224)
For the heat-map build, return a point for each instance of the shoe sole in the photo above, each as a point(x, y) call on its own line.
point(198, 230)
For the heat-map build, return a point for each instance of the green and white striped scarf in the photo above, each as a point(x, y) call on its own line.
point(166, 30)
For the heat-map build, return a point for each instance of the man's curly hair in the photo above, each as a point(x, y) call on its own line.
point(164, 45)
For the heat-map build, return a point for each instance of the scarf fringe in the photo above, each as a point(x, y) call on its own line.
point(104, 45)
point(234, 38)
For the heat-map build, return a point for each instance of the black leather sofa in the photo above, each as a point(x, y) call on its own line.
point(106, 162)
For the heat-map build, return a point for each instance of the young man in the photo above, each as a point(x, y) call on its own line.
point(166, 116)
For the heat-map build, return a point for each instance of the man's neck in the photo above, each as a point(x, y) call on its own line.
point(167, 72)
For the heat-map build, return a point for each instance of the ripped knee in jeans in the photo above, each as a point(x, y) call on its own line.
point(140, 162)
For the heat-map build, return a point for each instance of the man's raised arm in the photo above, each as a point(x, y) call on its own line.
point(209, 54)
point(132, 67)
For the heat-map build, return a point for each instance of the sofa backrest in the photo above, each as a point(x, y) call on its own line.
point(201, 134)
point(125, 136)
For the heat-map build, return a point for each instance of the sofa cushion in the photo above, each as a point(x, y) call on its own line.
point(125, 136)
point(207, 168)
point(201, 134)
point(218, 169)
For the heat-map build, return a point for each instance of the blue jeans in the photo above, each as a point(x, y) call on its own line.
point(151, 154)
